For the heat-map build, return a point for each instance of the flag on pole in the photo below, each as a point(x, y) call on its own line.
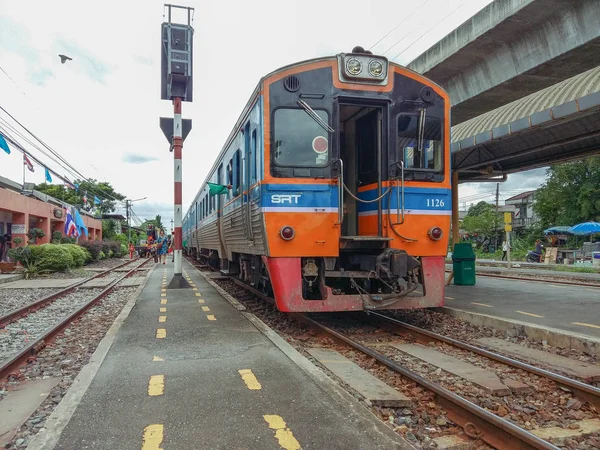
point(216, 189)
point(85, 198)
point(76, 187)
point(4, 145)
point(48, 177)
point(80, 224)
point(96, 200)
point(70, 227)
point(68, 183)
point(27, 162)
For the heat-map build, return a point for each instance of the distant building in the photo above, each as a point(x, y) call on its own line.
point(524, 215)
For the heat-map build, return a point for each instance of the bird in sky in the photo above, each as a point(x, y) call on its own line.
point(64, 59)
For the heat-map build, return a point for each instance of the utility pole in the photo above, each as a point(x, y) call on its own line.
point(127, 204)
point(496, 216)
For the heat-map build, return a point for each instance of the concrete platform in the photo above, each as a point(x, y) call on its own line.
point(532, 270)
point(10, 277)
point(570, 308)
point(39, 283)
point(188, 371)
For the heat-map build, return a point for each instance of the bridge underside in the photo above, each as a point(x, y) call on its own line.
point(557, 124)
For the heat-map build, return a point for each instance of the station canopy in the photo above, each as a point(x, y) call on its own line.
point(557, 124)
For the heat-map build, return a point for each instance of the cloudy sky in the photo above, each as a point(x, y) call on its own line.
point(100, 111)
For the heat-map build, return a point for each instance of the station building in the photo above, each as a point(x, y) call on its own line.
point(23, 208)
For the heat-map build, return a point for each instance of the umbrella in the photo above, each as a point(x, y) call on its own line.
point(558, 230)
point(585, 228)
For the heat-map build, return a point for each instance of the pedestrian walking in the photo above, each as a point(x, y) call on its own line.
point(131, 250)
point(161, 247)
point(504, 250)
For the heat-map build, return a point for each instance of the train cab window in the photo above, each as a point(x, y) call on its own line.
point(237, 172)
point(420, 143)
point(298, 140)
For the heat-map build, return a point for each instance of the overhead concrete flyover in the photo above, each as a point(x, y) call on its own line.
point(559, 123)
point(510, 49)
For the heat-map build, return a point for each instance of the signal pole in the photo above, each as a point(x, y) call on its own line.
point(177, 86)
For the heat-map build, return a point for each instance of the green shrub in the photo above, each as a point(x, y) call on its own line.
point(56, 237)
point(101, 255)
point(110, 253)
point(77, 253)
point(52, 257)
point(68, 240)
point(35, 234)
point(124, 249)
point(87, 254)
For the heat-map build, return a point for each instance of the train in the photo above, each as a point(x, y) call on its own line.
point(335, 188)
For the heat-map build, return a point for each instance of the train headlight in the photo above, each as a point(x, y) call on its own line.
point(353, 66)
point(287, 233)
point(376, 68)
point(435, 233)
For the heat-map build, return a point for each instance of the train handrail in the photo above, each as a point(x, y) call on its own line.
point(341, 192)
point(400, 188)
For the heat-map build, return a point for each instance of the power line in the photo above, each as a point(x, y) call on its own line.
point(69, 168)
point(397, 26)
point(428, 30)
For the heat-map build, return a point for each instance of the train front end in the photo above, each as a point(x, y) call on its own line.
point(356, 194)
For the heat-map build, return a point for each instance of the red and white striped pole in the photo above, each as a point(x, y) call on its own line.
point(177, 150)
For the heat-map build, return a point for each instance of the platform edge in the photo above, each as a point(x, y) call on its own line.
point(60, 418)
point(553, 336)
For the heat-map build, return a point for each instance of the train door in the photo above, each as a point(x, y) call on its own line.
point(361, 144)
point(246, 183)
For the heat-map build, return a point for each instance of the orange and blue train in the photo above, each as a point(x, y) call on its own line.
point(338, 188)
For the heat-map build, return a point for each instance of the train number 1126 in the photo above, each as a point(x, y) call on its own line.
point(435, 202)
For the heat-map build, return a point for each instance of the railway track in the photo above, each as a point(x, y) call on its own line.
point(477, 422)
point(12, 360)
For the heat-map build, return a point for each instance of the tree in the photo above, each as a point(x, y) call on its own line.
point(158, 222)
point(481, 218)
point(571, 193)
point(103, 190)
point(109, 229)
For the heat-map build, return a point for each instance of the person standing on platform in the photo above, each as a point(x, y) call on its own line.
point(161, 247)
point(504, 250)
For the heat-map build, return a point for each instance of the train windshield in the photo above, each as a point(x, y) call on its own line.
point(420, 142)
point(298, 140)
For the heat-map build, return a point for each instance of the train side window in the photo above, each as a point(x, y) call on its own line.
point(253, 159)
point(237, 173)
point(429, 154)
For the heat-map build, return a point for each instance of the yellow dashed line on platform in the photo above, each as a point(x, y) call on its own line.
point(194, 289)
point(163, 290)
point(481, 304)
point(284, 435)
point(163, 301)
point(559, 286)
point(157, 359)
point(153, 437)
point(197, 294)
point(585, 324)
point(449, 298)
point(162, 319)
point(156, 385)
point(202, 302)
point(250, 380)
point(163, 295)
point(529, 314)
point(205, 309)
point(162, 309)
point(161, 333)
point(211, 317)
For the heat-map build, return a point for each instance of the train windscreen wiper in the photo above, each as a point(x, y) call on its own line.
point(313, 115)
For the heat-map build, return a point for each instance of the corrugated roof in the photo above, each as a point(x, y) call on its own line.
point(568, 90)
point(520, 196)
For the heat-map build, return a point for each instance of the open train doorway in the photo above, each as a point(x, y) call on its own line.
point(361, 152)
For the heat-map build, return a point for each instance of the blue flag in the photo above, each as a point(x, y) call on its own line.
point(96, 200)
point(48, 177)
point(4, 145)
point(76, 187)
point(80, 224)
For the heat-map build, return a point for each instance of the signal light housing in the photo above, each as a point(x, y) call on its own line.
point(287, 233)
point(435, 233)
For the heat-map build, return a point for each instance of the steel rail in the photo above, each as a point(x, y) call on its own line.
point(584, 391)
point(28, 353)
point(492, 429)
point(571, 283)
point(475, 421)
point(15, 314)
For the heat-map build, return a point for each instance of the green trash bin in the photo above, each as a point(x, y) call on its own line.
point(463, 264)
